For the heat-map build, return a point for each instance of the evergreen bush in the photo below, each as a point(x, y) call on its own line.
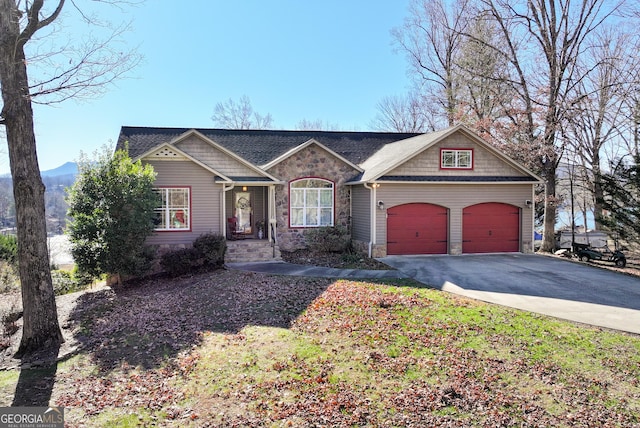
point(329, 239)
point(207, 253)
point(9, 248)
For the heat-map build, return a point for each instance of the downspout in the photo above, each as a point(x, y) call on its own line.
point(224, 207)
point(372, 211)
point(272, 229)
point(533, 219)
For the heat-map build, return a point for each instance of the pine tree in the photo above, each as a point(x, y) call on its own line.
point(621, 200)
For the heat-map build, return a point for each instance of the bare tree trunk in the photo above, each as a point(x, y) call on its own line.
point(41, 328)
point(550, 206)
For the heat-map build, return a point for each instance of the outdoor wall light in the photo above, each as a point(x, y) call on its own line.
point(380, 205)
point(528, 203)
point(244, 188)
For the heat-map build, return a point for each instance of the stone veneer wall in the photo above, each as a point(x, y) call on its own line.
point(312, 161)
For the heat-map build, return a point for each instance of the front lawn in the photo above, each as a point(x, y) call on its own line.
point(240, 349)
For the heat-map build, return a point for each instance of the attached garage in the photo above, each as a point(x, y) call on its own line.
point(491, 228)
point(417, 228)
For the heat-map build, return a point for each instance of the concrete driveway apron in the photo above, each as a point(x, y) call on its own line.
point(542, 284)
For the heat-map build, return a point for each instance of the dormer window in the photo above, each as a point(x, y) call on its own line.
point(456, 158)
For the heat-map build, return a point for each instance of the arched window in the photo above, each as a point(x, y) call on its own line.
point(311, 202)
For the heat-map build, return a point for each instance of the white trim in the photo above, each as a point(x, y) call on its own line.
point(305, 207)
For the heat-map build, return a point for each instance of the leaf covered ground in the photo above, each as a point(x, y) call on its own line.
point(238, 349)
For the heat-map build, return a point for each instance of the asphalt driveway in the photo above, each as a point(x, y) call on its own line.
point(546, 285)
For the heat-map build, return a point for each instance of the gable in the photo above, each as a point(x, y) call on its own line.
point(485, 162)
point(313, 160)
point(311, 143)
point(215, 157)
point(418, 159)
point(165, 153)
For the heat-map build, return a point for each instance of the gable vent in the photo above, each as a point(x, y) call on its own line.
point(166, 153)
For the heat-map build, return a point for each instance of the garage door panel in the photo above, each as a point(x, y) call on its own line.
point(417, 229)
point(490, 228)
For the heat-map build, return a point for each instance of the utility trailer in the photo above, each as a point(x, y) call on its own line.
point(586, 253)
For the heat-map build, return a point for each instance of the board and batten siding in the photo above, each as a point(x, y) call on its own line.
point(215, 158)
point(205, 200)
point(360, 213)
point(456, 197)
point(485, 163)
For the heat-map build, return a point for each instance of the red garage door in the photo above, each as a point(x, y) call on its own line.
point(417, 229)
point(491, 228)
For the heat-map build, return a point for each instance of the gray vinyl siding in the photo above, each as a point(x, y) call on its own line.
point(360, 213)
point(456, 197)
point(205, 200)
point(215, 158)
point(484, 162)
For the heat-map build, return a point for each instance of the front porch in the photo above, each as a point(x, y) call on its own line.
point(248, 207)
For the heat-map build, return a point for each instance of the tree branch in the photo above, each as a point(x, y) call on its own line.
point(34, 23)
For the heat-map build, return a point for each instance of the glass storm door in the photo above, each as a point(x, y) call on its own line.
point(242, 205)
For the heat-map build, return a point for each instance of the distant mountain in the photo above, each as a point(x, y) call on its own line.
point(69, 168)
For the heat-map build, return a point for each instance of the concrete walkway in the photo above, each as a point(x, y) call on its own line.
point(545, 285)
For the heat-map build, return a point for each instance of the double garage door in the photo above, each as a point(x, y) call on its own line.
point(419, 228)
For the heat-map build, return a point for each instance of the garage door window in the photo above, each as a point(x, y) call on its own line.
point(456, 158)
point(311, 202)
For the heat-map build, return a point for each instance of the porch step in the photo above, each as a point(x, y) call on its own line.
point(251, 250)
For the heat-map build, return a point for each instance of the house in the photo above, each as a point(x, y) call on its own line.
point(446, 192)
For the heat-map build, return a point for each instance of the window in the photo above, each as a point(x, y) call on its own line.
point(174, 210)
point(456, 158)
point(311, 203)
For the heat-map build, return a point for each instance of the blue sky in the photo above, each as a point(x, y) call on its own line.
point(331, 60)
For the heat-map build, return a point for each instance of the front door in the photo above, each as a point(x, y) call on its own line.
point(242, 211)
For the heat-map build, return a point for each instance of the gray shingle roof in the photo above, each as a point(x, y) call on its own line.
point(455, 178)
point(262, 146)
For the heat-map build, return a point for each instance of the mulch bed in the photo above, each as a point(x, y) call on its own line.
point(348, 260)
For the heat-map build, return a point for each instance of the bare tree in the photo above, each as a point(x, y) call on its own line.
point(596, 118)
point(543, 40)
point(431, 37)
point(90, 68)
point(316, 125)
point(240, 115)
point(485, 102)
point(409, 113)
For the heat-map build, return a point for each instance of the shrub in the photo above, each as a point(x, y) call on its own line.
point(65, 281)
point(83, 278)
point(331, 239)
point(212, 248)
point(10, 313)
point(9, 248)
point(207, 253)
point(179, 262)
point(112, 204)
point(9, 279)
